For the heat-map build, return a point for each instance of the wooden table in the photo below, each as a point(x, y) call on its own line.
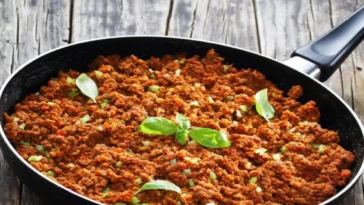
point(273, 28)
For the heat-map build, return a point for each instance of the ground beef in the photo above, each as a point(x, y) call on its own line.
point(301, 163)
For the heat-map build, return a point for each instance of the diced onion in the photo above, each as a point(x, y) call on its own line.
point(211, 101)
point(154, 88)
point(194, 104)
point(35, 158)
point(261, 151)
point(85, 118)
point(258, 189)
point(177, 73)
point(146, 143)
point(277, 157)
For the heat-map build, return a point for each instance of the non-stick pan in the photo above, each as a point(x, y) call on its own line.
point(318, 59)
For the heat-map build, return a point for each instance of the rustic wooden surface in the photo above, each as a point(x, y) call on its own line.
point(273, 28)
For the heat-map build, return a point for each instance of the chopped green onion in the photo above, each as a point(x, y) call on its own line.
point(253, 180)
point(119, 203)
point(85, 118)
point(24, 143)
point(99, 128)
point(70, 81)
point(186, 172)
point(122, 121)
point(144, 204)
point(154, 88)
point(230, 97)
point(258, 189)
point(194, 104)
point(197, 85)
point(135, 200)
point(238, 114)
point(283, 149)
point(260, 151)
point(73, 93)
point(243, 108)
point(105, 192)
point(177, 73)
point(119, 164)
point(274, 95)
point(35, 158)
point(22, 126)
point(211, 101)
point(152, 76)
point(39, 148)
point(173, 161)
point(98, 73)
point(138, 181)
point(321, 148)
point(50, 174)
point(47, 155)
point(277, 157)
point(179, 203)
point(298, 134)
point(16, 119)
point(50, 103)
point(225, 68)
point(37, 93)
point(146, 143)
point(191, 183)
point(212, 176)
point(315, 146)
point(104, 103)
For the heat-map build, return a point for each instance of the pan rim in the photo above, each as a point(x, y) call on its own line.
point(20, 68)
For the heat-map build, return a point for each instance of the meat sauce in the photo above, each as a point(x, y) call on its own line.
point(289, 160)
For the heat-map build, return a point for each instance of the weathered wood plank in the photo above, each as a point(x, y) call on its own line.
point(43, 25)
point(282, 26)
point(230, 22)
point(320, 22)
point(93, 19)
point(9, 184)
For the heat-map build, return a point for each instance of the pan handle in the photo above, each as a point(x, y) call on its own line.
point(330, 50)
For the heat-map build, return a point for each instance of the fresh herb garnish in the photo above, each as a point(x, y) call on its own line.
point(182, 121)
point(210, 138)
point(159, 184)
point(157, 126)
point(262, 105)
point(87, 86)
point(181, 136)
point(204, 136)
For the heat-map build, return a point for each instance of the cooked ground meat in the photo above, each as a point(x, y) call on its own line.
point(293, 159)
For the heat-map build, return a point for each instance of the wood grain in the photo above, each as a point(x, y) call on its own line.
point(9, 185)
point(94, 18)
point(232, 22)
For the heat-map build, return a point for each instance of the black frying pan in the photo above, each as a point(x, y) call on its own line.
point(325, 53)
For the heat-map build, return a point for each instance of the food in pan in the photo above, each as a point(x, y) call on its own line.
point(177, 130)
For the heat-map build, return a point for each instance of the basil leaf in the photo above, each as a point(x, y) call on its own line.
point(210, 138)
point(181, 136)
point(262, 105)
point(157, 126)
point(159, 184)
point(183, 121)
point(87, 86)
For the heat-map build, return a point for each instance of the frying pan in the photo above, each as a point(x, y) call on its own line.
point(317, 60)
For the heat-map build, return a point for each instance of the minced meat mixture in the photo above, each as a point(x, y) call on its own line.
point(289, 160)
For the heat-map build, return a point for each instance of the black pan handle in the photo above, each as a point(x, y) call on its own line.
point(330, 50)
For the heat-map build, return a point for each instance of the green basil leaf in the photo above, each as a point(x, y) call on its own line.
point(262, 105)
point(210, 138)
point(183, 121)
point(159, 184)
point(157, 126)
point(87, 86)
point(181, 136)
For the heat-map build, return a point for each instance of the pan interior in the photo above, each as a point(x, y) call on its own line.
point(334, 114)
